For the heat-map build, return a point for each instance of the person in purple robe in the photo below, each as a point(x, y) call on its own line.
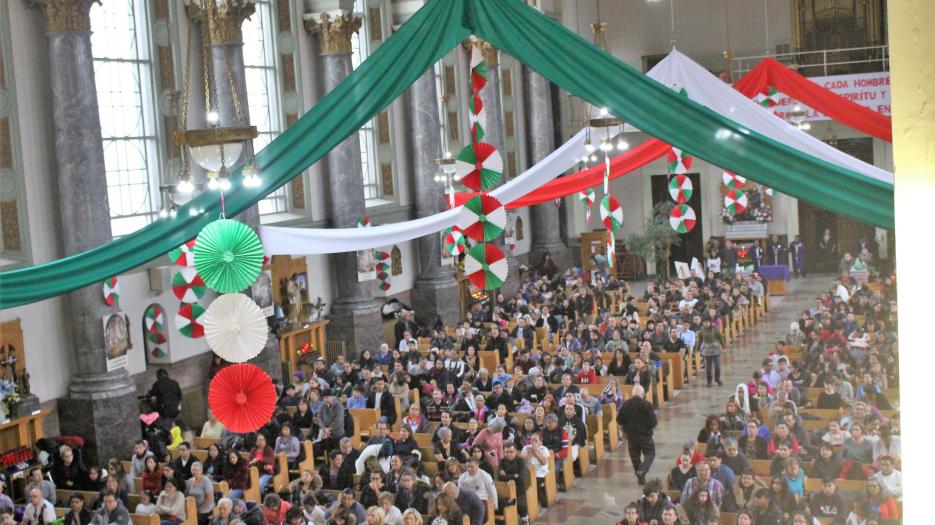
point(797, 249)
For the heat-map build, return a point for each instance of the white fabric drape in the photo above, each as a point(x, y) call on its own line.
point(278, 240)
point(677, 71)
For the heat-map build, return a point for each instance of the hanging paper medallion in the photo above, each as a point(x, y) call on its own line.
point(242, 397)
point(363, 222)
point(485, 266)
point(478, 70)
point(187, 285)
point(682, 218)
point(732, 180)
point(611, 249)
point(678, 162)
point(735, 201)
point(190, 320)
point(111, 292)
point(680, 188)
point(611, 213)
point(228, 256)
point(479, 166)
point(482, 218)
point(384, 286)
point(455, 243)
point(154, 320)
point(235, 327)
point(769, 97)
point(587, 198)
point(184, 255)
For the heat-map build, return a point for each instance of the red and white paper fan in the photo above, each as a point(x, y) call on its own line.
point(190, 320)
point(455, 243)
point(482, 218)
point(479, 166)
point(611, 213)
point(733, 181)
point(678, 162)
point(680, 188)
point(735, 201)
point(242, 397)
point(184, 255)
point(485, 266)
point(111, 290)
point(187, 285)
point(682, 218)
point(235, 327)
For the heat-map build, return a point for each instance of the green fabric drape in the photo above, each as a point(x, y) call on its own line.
point(532, 38)
point(379, 80)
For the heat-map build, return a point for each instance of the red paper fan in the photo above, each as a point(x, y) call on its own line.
point(242, 397)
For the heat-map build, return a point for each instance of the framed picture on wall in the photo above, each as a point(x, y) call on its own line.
point(116, 340)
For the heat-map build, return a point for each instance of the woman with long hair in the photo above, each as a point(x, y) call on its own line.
point(698, 510)
point(447, 509)
point(782, 496)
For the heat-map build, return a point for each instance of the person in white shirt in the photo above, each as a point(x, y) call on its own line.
point(537, 455)
point(393, 515)
point(212, 427)
point(479, 482)
point(39, 511)
point(688, 302)
point(891, 478)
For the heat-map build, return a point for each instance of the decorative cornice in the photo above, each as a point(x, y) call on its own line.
point(334, 33)
point(490, 54)
point(66, 15)
point(225, 18)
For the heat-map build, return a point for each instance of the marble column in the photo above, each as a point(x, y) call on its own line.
point(546, 237)
point(222, 31)
point(436, 290)
point(355, 317)
point(493, 134)
point(101, 405)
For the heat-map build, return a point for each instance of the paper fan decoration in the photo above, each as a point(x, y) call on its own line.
point(769, 97)
point(733, 181)
point(611, 213)
point(735, 201)
point(184, 255)
point(680, 188)
point(242, 397)
point(363, 222)
point(611, 249)
point(235, 327)
point(682, 218)
point(478, 70)
point(154, 320)
point(587, 198)
point(190, 320)
point(486, 266)
point(479, 166)
point(678, 162)
point(482, 218)
point(455, 243)
point(228, 255)
point(111, 291)
point(187, 285)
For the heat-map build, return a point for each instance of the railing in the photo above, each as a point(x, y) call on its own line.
point(822, 63)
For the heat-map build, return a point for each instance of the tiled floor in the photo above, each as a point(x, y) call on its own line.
point(611, 485)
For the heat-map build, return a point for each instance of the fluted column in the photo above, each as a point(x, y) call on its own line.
point(546, 237)
point(493, 134)
point(101, 405)
point(222, 30)
point(355, 317)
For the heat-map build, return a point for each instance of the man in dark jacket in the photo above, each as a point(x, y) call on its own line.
point(572, 424)
point(637, 418)
point(412, 494)
point(513, 468)
point(470, 505)
point(383, 400)
point(765, 510)
point(167, 394)
point(78, 515)
point(826, 503)
point(332, 476)
point(112, 512)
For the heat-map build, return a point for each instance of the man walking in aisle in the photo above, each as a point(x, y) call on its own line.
point(637, 417)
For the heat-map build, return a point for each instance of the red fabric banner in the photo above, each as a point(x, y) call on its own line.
point(772, 73)
point(620, 165)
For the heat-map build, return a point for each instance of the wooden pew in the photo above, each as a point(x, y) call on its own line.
point(135, 519)
point(551, 485)
point(532, 494)
point(595, 426)
point(609, 415)
point(508, 514)
point(365, 419)
point(281, 480)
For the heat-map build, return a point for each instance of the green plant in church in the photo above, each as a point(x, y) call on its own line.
point(658, 238)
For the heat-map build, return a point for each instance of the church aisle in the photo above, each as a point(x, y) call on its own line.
point(612, 485)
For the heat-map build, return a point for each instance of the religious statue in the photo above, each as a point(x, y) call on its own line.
point(23, 383)
point(294, 300)
point(396, 260)
point(519, 229)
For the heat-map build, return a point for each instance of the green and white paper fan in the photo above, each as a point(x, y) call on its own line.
point(111, 290)
point(611, 213)
point(482, 218)
point(682, 218)
point(735, 201)
point(485, 266)
point(479, 166)
point(680, 188)
point(154, 319)
point(228, 256)
point(235, 327)
point(190, 320)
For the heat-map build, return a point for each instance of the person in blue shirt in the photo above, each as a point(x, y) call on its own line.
point(720, 472)
point(357, 399)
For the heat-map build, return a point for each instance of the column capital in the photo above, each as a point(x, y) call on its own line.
point(66, 15)
point(224, 18)
point(488, 51)
point(334, 30)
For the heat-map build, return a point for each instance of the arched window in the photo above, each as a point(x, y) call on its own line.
point(120, 45)
point(368, 160)
point(259, 57)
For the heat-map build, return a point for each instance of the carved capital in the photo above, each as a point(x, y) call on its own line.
point(66, 15)
point(224, 18)
point(490, 54)
point(334, 32)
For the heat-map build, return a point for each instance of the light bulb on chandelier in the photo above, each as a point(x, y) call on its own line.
point(185, 186)
point(212, 117)
point(622, 145)
point(606, 146)
point(588, 147)
point(593, 158)
point(251, 176)
point(213, 183)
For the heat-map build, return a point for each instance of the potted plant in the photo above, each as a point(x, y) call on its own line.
point(657, 239)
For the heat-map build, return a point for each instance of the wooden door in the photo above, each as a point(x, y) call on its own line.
point(592, 243)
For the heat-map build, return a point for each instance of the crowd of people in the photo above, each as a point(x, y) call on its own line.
point(845, 349)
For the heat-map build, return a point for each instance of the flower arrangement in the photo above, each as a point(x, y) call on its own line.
point(727, 217)
point(763, 213)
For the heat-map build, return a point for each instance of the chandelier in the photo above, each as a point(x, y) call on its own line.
point(217, 147)
point(611, 126)
point(797, 117)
